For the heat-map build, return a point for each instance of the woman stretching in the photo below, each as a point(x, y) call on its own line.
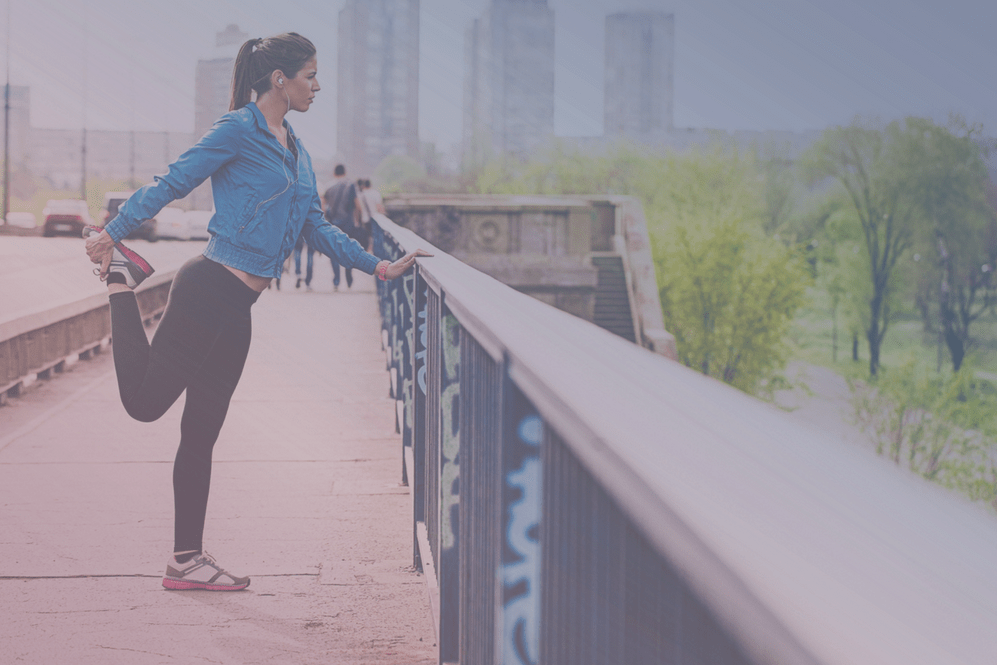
point(265, 196)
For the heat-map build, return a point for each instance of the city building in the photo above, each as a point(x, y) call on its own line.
point(19, 127)
point(213, 79)
point(213, 94)
point(508, 81)
point(57, 154)
point(639, 97)
point(640, 55)
point(378, 83)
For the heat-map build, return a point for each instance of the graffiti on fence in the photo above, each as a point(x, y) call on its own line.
point(521, 623)
point(420, 356)
point(450, 407)
point(404, 349)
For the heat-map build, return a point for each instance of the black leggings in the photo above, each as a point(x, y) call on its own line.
point(200, 346)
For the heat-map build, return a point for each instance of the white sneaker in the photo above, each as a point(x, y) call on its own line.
point(201, 572)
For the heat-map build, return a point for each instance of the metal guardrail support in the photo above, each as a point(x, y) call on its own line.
point(579, 500)
point(39, 344)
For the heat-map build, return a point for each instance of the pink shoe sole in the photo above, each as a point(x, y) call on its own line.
point(181, 585)
point(136, 259)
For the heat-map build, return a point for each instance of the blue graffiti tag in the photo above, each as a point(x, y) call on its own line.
point(522, 614)
point(450, 431)
point(420, 356)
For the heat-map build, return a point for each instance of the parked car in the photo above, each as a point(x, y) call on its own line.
point(197, 224)
point(171, 224)
point(22, 220)
point(113, 200)
point(65, 217)
point(179, 225)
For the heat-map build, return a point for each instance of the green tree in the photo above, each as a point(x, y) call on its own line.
point(946, 167)
point(396, 171)
point(728, 292)
point(863, 161)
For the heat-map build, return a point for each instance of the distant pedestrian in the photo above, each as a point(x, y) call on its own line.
point(361, 230)
point(265, 197)
point(362, 204)
point(341, 209)
point(373, 197)
point(284, 269)
point(299, 246)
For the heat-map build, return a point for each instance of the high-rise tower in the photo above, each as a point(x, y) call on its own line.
point(213, 94)
point(508, 81)
point(378, 86)
point(640, 53)
point(213, 79)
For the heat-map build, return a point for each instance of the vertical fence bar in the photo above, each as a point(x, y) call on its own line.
point(381, 251)
point(518, 627)
point(394, 345)
point(448, 568)
point(480, 504)
point(417, 474)
point(583, 569)
point(432, 451)
point(406, 359)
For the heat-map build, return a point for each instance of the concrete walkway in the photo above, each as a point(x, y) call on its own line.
point(305, 499)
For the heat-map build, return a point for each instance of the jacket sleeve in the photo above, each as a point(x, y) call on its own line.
point(331, 241)
point(216, 148)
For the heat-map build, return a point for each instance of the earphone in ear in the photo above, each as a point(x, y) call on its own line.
point(281, 81)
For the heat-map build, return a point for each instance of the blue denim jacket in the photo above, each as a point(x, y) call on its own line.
point(264, 198)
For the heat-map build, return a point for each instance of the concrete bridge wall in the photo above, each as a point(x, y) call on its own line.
point(588, 256)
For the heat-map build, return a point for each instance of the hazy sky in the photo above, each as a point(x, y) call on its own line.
point(739, 64)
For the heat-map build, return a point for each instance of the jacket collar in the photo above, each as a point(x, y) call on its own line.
point(261, 121)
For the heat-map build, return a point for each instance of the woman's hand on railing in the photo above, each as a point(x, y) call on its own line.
point(398, 268)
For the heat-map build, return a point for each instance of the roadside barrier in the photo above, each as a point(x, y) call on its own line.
point(38, 344)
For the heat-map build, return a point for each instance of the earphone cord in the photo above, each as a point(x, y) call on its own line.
point(283, 157)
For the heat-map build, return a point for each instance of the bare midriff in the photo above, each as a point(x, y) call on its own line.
point(255, 282)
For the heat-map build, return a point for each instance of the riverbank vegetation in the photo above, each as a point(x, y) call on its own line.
point(872, 253)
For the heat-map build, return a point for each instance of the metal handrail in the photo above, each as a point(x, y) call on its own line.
point(612, 506)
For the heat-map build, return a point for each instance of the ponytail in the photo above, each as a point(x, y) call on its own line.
point(259, 58)
point(242, 83)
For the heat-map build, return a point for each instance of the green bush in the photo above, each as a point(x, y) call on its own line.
point(942, 428)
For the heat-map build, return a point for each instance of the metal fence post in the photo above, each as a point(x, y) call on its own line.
point(417, 474)
point(448, 569)
point(518, 622)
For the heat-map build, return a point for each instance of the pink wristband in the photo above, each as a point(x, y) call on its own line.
point(382, 272)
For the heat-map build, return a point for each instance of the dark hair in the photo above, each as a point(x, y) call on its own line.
point(259, 58)
point(366, 183)
point(339, 170)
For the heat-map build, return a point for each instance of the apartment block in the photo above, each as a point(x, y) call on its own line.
point(378, 83)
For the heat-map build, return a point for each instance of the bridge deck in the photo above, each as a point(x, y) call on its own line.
point(306, 499)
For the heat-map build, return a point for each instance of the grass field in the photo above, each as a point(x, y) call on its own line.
point(811, 340)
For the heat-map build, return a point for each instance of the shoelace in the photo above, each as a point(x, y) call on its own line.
point(208, 559)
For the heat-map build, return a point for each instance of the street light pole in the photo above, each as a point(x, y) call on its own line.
point(83, 142)
point(6, 128)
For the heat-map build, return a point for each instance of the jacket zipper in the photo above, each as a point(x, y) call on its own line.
point(257, 211)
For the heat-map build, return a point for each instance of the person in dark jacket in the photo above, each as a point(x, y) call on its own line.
point(341, 209)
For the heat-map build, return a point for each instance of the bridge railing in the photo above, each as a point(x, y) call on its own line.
point(38, 344)
point(578, 499)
